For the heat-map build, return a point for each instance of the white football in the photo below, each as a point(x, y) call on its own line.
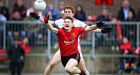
point(40, 5)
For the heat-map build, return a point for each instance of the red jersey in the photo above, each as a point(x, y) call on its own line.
point(68, 41)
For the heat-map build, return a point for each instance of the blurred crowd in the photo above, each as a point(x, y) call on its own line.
point(20, 12)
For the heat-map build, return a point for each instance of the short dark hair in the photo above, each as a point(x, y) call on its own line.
point(70, 7)
point(68, 17)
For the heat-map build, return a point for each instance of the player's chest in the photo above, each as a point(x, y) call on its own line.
point(69, 36)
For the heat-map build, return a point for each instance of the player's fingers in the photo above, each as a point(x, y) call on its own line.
point(46, 18)
point(100, 24)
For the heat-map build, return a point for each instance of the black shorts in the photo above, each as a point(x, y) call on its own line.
point(65, 59)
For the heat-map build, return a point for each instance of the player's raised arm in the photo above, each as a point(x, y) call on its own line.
point(99, 27)
point(41, 19)
point(93, 27)
point(44, 20)
point(50, 26)
point(35, 16)
point(90, 28)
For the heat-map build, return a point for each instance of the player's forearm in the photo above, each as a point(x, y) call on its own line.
point(53, 29)
point(49, 24)
point(97, 30)
point(41, 19)
point(90, 28)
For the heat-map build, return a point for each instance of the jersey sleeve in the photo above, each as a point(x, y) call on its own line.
point(58, 23)
point(82, 24)
point(80, 30)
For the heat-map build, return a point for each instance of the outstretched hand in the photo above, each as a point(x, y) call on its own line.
point(34, 15)
point(100, 24)
point(104, 27)
point(46, 18)
point(106, 30)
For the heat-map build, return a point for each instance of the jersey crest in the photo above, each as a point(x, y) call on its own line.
point(73, 34)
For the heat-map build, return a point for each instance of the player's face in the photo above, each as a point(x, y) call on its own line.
point(68, 24)
point(68, 12)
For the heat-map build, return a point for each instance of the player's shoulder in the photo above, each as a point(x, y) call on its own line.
point(76, 28)
point(79, 23)
point(76, 20)
point(59, 20)
point(59, 23)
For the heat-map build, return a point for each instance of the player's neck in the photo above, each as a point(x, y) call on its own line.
point(68, 30)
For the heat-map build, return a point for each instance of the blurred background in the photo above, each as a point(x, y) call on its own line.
point(115, 53)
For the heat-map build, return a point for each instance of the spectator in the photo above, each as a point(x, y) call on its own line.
point(127, 63)
point(4, 10)
point(61, 6)
point(12, 35)
point(91, 18)
point(62, 14)
point(53, 15)
point(25, 45)
point(80, 13)
point(16, 56)
point(104, 16)
point(2, 18)
point(16, 16)
point(16, 28)
point(130, 16)
point(123, 12)
point(19, 7)
point(131, 30)
point(52, 12)
point(126, 46)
